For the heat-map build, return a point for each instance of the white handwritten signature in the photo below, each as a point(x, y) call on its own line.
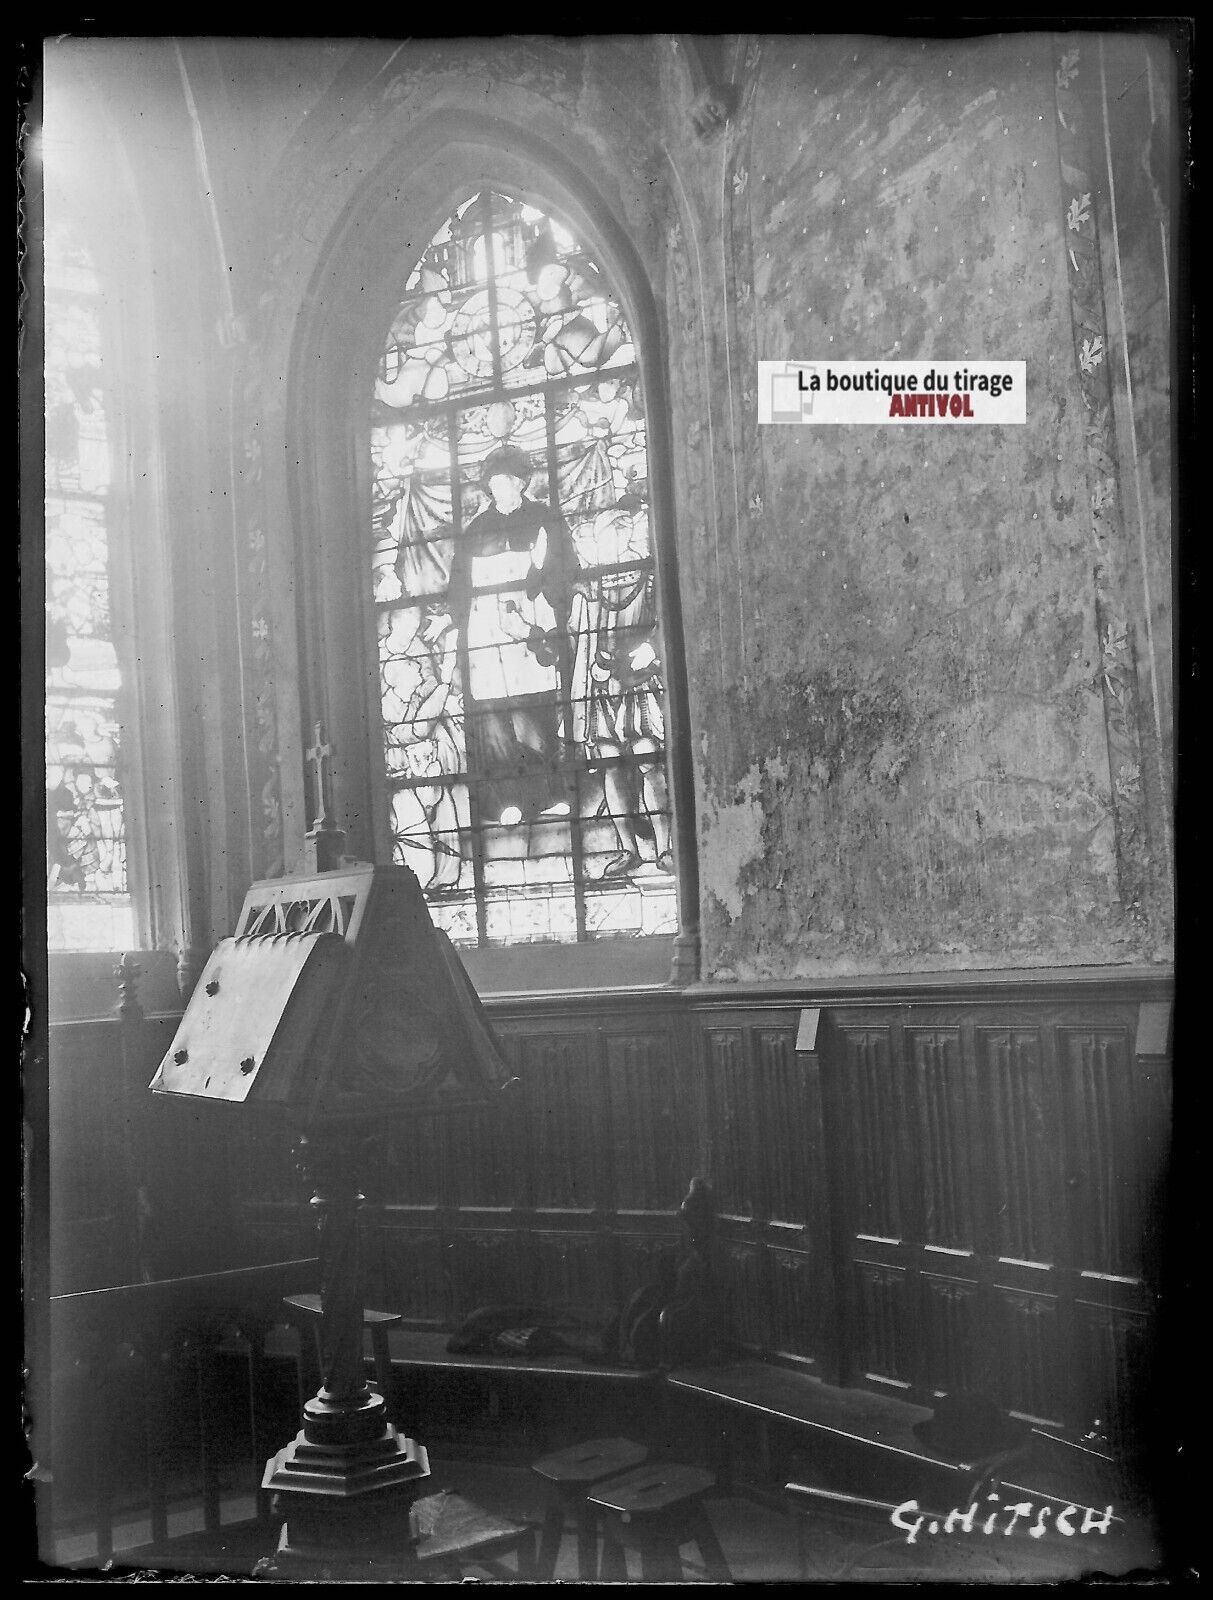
point(911, 1520)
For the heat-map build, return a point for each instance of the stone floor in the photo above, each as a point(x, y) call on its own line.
point(762, 1543)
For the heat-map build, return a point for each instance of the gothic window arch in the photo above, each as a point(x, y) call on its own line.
point(90, 905)
point(521, 662)
point(114, 804)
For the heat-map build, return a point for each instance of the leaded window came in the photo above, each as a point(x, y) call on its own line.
point(520, 654)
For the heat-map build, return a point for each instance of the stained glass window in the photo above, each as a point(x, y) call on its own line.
point(89, 906)
point(520, 655)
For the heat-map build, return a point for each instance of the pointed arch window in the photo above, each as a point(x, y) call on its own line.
point(90, 905)
point(519, 648)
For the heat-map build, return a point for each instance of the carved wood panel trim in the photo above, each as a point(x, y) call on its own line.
point(882, 1326)
point(565, 1120)
point(1103, 1149)
point(1019, 1148)
point(1030, 1370)
point(873, 1104)
point(644, 1139)
point(937, 1194)
point(943, 1178)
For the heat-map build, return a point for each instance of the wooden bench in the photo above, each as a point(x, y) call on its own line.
point(551, 1380)
point(853, 1441)
point(863, 1444)
point(428, 1348)
point(859, 1442)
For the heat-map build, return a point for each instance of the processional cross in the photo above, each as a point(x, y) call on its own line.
point(319, 755)
point(324, 848)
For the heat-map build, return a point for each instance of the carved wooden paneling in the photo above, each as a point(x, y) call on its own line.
point(487, 1268)
point(976, 1178)
point(743, 1271)
point(882, 1323)
point(1029, 1372)
point(783, 1178)
point(563, 1120)
point(91, 1211)
point(643, 1258)
point(872, 1105)
point(795, 1304)
point(1104, 1150)
point(412, 1272)
point(1115, 1372)
point(412, 1163)
point(278, 1233)
point(188, 1175)
point(1022, 1132)
point(732, 1116)
point(262, 1165)
point(485, 1164)
point(941, 1131)
point(572, 1271)
point(954, 1354)
point(646, 1156)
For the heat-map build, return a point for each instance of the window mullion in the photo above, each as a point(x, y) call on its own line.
point(566, 695)
point(490, 268)
point(475, 822)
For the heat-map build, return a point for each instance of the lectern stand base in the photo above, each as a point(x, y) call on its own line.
point(438, 1539)
point(342, 1499)
point(341, 1473)
point(378, 1547)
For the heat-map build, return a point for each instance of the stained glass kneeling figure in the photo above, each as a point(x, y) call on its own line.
point(618, 689)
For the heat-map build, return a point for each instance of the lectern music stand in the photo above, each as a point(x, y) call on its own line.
point(336, 1006)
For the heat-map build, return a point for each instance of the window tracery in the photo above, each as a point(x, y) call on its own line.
point(520, 654)
point(89, 906)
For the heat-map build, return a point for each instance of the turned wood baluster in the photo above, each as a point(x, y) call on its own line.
point(328, 1162)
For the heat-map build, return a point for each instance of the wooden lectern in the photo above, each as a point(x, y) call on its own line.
point(337, 1005)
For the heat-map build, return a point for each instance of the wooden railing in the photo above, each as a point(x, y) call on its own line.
point(159, 1400)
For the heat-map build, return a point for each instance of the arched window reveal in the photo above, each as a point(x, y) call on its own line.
point(89, 904)
point(520, 655)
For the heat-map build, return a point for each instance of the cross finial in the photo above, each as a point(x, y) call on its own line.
point(319, 755)
point(324, 844)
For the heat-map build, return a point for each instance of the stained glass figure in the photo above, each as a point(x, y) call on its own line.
point(89, 906)
point(512, 573)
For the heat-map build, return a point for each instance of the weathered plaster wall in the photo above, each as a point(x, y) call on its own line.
point(901, 752)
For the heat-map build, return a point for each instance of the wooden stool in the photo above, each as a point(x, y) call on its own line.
point(570, 1475)
point(453, 1533)
point(434, 1540)
point(663, 1506)
point(376, 1323)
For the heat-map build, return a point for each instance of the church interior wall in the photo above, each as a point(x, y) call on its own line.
point(921, 666)
point(900, 756)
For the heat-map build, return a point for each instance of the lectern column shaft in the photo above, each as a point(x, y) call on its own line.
point(341, 1293)
point(330, 1162)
